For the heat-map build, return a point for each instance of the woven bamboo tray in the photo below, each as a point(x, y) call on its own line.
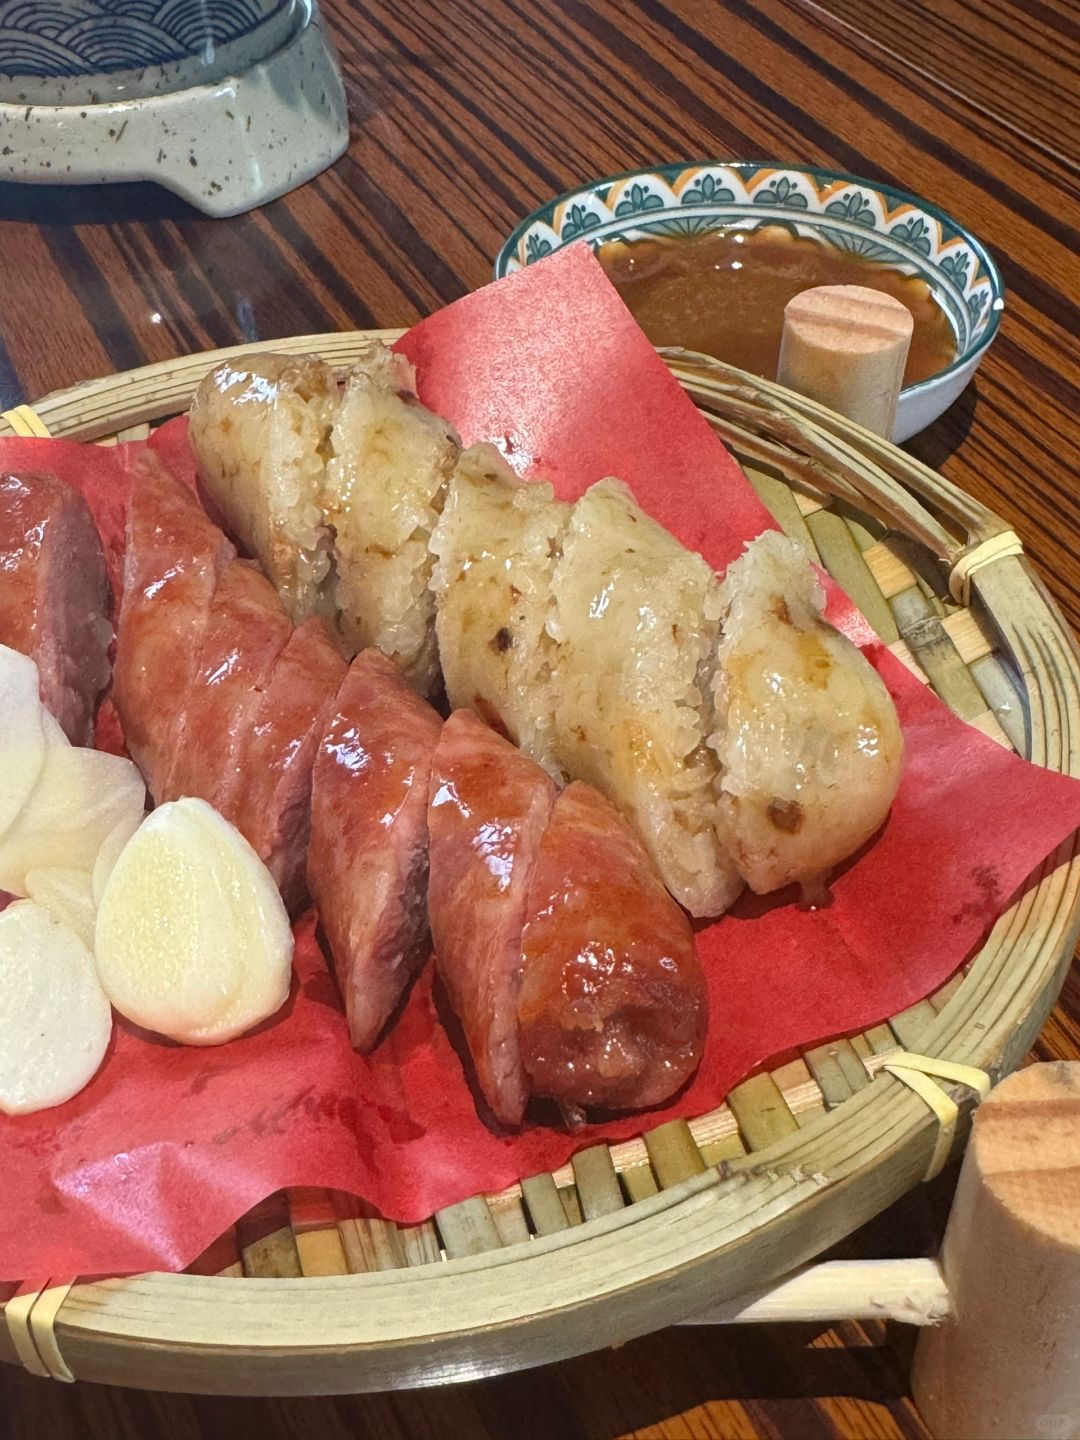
point(634, 1236)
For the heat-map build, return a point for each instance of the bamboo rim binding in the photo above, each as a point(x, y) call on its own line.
point(987, 552)
point(31, 1316)
point(918, 1073)
point(26, 422)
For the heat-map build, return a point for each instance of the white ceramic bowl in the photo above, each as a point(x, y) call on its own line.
point(860, 216)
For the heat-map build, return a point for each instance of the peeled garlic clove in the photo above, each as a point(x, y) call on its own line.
point(81, 796)
point(192, 938)
point(22, 736)
point(110, 850)
point(67, 896)
point(55, 1021)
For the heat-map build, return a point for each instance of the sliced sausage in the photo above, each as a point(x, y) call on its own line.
point(246, 630)
point(613, 1006)
point(489, 805)
point(54, 596)
point(174, 557)
point(273, 807)
point(368, 857)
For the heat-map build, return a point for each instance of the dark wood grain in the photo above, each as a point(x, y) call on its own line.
point(465, 114)
point(1018, 65)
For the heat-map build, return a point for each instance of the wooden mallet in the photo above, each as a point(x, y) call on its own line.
point(1006, 1364)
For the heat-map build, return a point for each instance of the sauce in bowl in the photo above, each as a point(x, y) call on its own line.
point(723, 293)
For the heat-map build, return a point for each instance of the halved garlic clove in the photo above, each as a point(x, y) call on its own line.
point(110, 850)
point(22, 733)
point(81, 796)
point(55, 1020)
point(67, 896)
point(192, 938)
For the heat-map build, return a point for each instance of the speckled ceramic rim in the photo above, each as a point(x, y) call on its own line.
point(258, 42)
point(749, 167)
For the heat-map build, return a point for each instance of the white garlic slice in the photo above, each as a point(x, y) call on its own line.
point(192, 938)
point(55, 1021)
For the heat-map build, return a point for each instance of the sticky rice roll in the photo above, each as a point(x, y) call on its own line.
point(495, 550)
point(806, 735)
point(636, 629)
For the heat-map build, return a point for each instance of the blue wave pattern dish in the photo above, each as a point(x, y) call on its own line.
point(859, 216)
point(227, 103)
point(61, 38)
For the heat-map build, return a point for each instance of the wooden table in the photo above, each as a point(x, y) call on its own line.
point(466, 114)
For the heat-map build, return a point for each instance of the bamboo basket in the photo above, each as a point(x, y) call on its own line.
point(635, 1236)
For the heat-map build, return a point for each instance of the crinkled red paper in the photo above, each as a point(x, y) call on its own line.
point(168, 1146)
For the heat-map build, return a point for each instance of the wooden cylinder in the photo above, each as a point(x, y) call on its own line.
point(846, 346)
point(1008, 1364)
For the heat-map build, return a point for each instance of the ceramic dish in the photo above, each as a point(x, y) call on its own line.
point(228, 106)
point(860, 216)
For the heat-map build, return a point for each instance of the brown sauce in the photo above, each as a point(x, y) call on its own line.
point(724, 294)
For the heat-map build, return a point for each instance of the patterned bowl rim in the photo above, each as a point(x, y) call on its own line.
point(674, 168)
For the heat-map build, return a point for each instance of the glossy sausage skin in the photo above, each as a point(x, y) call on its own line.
point(613, 1007)
point(54, 596)
point(246, 630)
point(219, 697)
point(173, 559)
point(368, 857)
point(489, 805)
point(273, 807)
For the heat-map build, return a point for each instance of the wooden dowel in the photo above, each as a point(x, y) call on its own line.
point(912, 1291)
point(846, 346)
point(1007, 1364)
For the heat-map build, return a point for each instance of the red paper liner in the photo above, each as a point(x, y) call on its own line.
point(168, 1147)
